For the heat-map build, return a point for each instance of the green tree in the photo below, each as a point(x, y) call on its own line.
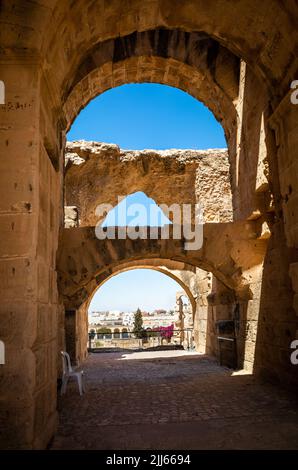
point(138, 329)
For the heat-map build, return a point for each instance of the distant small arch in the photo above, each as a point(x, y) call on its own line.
point(116, 333)
point(124, 333)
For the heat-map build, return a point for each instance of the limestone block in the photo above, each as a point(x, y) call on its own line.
point(71, 218)
point(43, 282)
point(45, 414)
point(265, 232)
point(251, 312)
point(47, 322)
point(15, 386)
point(17, 279)
point(18, 323)
point(16, 424)
point(14, 231)
point(249, 352)
point(251, 331)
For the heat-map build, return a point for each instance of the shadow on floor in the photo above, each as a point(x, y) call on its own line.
point(173, 400)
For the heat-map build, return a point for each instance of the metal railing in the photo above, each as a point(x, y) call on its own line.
point(128, 340)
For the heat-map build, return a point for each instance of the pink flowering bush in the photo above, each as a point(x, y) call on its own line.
point(165, 331)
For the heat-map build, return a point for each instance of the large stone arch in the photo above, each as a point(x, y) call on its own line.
point(183, 274)
point(163, 266)
point(190, 61)
point(199, 80)
point(229, 251)
point(199, 65)
point(77, 27)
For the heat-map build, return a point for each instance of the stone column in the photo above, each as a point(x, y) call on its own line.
point(29, 233)
point(203, 287)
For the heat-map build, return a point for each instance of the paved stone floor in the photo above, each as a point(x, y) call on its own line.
point(173, 400)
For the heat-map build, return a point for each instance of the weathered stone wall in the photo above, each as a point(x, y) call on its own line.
point(29, 208)
point(203, 289)
point(283, 122)
point(81, 333)
point(97, 173)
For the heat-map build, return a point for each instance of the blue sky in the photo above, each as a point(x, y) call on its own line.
point(136, 117)
point(143, 288)
point(136, 209)
point(147, 115)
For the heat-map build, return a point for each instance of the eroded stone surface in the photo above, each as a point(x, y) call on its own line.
point(99, 173)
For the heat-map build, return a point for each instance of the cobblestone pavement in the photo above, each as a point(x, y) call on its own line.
point(173, 400)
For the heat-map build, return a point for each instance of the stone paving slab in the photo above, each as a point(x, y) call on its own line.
point(174, 400)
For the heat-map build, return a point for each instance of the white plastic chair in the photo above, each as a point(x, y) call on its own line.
point(68, 371)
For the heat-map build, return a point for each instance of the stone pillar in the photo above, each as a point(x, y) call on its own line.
point(247, 319)
point(284, 122)
point(278, 321)
point(76, 333)
point(29, 200)
point(203, 288)
point(71, 334)
point(180, 322)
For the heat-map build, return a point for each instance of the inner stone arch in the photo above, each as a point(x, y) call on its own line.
point(163, 56)
point(185, 277)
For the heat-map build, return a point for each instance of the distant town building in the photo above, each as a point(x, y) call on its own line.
point(118, 322)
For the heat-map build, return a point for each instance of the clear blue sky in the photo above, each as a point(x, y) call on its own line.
point(136, 209)
point(136, 117)
point(148, 116)
point(143, 288)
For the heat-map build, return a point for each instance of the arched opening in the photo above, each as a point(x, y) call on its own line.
point(148, 116)
point(124, 333)
point(180, 177)
point(154, 292)
point(136, 209)
point(116, 333)
point(102, 333)
point(110, 172)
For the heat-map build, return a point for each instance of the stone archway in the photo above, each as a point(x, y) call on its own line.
point(86, 262)
point(229, 250)
point(184, 275)
point(197, 65)
point(155, 265)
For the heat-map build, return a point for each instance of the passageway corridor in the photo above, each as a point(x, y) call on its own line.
point(173, 400)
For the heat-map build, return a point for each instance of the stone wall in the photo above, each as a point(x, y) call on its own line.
point(29, 212)
point(97, 173)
